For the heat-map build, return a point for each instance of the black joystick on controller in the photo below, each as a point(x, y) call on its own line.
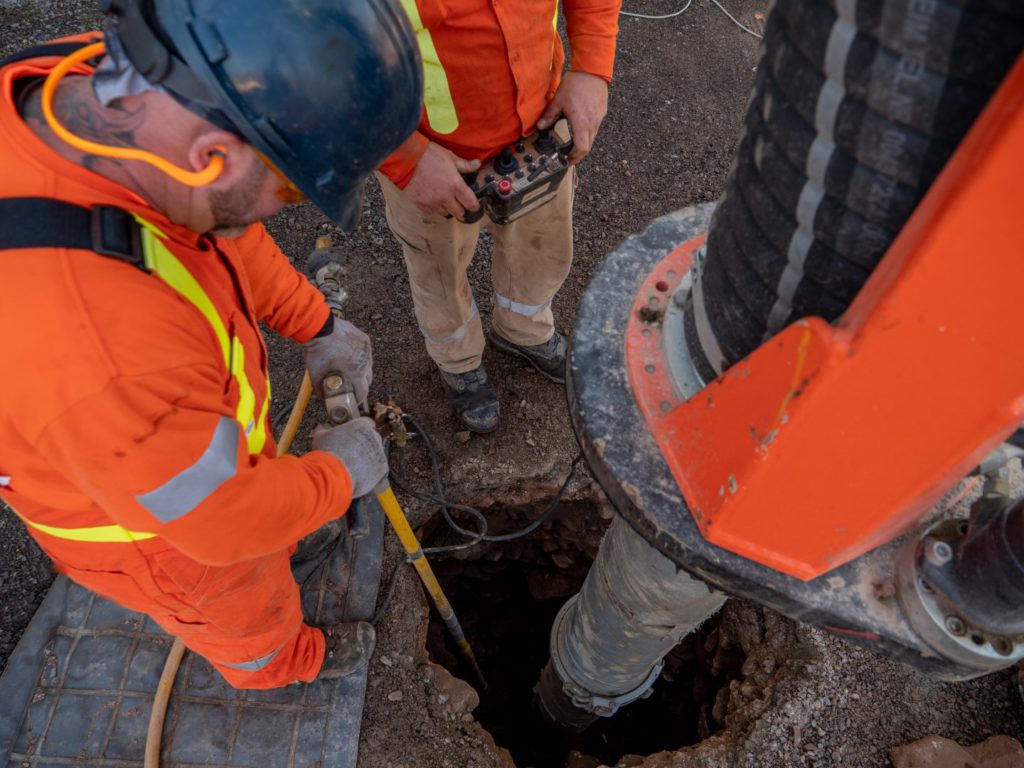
point(545, 143)
point(505, 163)
point(522, 177)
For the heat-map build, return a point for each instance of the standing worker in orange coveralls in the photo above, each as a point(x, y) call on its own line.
point(493, 73)
point(135, 441)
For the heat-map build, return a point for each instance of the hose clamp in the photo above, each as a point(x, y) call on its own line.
point(596, 704)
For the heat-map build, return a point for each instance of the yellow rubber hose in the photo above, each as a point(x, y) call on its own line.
point(411, 544)
point(291, 428)
point(154, 734)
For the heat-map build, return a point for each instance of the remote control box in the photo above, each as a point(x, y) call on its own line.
point(523, 176)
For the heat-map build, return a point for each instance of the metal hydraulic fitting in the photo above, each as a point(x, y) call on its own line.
point(961, 584)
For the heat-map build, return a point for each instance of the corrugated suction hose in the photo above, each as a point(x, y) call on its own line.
point(858, 104)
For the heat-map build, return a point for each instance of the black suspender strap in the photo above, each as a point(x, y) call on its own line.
point(42, 222)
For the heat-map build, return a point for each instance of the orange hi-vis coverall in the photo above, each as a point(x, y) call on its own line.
point(135, 441)
point(492, 66)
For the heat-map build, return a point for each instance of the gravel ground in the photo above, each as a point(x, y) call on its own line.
point(675, 114)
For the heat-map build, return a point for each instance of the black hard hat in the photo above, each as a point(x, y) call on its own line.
point(325, 89)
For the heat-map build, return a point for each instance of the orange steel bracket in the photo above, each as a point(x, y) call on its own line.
point(831, 440)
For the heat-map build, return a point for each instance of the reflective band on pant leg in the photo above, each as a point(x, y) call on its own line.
point(192, 486)
point(527, 310)
point(255, 665)
point(459, 333)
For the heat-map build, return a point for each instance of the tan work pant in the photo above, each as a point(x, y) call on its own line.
point(531, 260)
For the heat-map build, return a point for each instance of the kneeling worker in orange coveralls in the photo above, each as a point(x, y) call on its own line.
point(135, 441)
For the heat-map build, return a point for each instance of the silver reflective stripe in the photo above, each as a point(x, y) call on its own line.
point(191, 487)
point(5, 480)
point(256, 664)
point(460, 332)
point(826, 113)
point(529, 310)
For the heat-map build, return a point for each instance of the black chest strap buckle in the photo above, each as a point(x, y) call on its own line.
point(116, 233)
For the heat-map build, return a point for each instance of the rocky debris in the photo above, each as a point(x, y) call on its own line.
point(938, 752)
point(452, 693)
point(578, 759)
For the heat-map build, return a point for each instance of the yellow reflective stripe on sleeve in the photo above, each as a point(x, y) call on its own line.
point(437, 96)
point(102, 534)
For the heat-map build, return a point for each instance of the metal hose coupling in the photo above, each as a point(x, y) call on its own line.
point(567, 704)
point(608, 642)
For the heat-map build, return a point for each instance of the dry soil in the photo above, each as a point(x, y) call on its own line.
point(802, 697)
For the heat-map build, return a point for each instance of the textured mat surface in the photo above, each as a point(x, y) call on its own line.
point(79, 687)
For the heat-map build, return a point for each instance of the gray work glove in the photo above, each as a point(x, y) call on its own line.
point(358, 446)
point(345, 350)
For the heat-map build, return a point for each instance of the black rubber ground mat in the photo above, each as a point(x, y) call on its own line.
point(79, 687)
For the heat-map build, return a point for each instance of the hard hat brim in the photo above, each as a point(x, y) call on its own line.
point(344, 209)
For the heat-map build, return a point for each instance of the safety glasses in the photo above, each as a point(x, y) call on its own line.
point(288, 193)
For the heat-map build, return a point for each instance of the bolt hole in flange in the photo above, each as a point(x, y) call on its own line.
point(507, 596)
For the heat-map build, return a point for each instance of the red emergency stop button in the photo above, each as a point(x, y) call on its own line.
point(504, 187)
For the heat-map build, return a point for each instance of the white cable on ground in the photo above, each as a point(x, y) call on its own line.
point(735, 21)
point(666, 16)
point(720, 7)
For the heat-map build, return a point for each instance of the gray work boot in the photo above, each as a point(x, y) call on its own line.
point(473, 398)
point(548, 358)
point(349, 647)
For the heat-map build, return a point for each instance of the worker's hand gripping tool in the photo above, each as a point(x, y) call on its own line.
point(325, 272)
point(339, 399)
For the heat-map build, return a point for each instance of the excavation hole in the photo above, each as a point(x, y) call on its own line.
point(506, 597)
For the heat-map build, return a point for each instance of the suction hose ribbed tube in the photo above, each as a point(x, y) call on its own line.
point(857, 106)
